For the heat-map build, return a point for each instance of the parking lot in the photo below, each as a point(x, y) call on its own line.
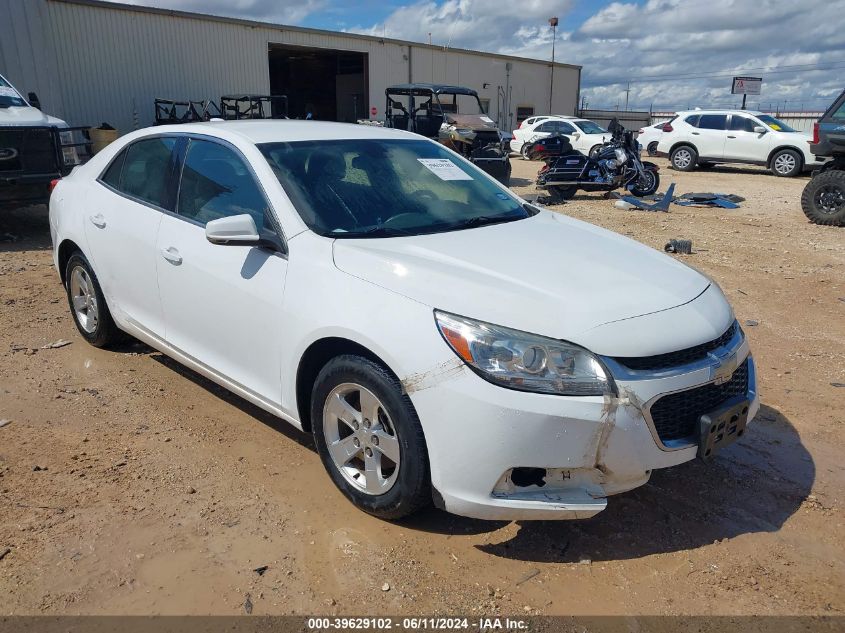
point(131, 485)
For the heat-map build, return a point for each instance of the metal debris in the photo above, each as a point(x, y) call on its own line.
point(683, 247)
point(4, 423)
point(57, 344)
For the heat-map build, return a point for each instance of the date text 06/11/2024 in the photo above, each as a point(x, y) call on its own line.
point(482, 625)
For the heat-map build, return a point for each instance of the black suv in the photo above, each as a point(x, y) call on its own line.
point(823, 200)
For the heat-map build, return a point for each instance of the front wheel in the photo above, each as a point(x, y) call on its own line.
point(683, 158)
point(823, 199)
point(786, 163)
point(369, 438)
point(648, 184)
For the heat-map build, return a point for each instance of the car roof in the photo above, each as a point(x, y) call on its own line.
point(281, 130)
point(752, 112)
point(424, 88)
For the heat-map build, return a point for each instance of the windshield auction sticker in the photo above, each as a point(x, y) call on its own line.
point(444, 169)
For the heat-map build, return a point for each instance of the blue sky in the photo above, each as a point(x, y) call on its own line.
point(675, 53)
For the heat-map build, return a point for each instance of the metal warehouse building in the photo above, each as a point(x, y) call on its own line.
point(92, 61)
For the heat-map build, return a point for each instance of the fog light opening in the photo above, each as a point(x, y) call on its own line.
point(522, 477)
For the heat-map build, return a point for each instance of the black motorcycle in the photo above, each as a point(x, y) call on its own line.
point(614, 165)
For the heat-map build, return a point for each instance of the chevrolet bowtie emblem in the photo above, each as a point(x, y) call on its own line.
point(723, 372)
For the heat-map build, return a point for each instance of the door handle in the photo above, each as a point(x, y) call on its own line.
point(172, 255)
point(729, 136)
point(696, 133)
point(98, 220)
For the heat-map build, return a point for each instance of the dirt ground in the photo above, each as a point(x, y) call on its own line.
point(130, 485)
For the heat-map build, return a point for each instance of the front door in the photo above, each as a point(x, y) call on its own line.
point(222, 303)
point(709, 135)
point(743, 143)
point(124, 211)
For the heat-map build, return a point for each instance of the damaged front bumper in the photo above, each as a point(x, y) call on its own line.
point(502, 454)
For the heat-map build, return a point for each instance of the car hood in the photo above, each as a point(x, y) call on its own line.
point(471, 121)
point(29, 117)
point(548, 274)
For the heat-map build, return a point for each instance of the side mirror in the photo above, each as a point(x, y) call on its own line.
point(759, 129)
point(235, 229)
point(34, 101)
point(577, 135)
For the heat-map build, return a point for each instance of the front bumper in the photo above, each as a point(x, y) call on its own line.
point(589, 447)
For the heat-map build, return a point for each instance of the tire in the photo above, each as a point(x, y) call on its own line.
point(87, 303)
point(646, 189)
point(562, 194)
point(523, 151)
point(594, 150)
point(683, 158)
point(400, 486)
point(787, 163)
point(652, 148)
point(823, 199)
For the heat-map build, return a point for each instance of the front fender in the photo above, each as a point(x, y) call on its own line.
point(649, 165)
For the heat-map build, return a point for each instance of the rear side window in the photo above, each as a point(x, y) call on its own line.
point(712, 121)
point(112, 175)
point(742, 124)
point(216, 183)
point(839, 113)
point(548, 126)
point(692, 120)
point(146, 170)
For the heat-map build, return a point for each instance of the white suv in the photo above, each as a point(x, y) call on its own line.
point(585, 135)
point(706, 137)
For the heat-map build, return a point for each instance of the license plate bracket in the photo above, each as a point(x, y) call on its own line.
point(723, 426)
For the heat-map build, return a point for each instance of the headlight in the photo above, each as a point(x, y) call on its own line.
point(523, 361)
point(69, 154)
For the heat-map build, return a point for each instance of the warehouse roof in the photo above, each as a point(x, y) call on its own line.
point(255, 23)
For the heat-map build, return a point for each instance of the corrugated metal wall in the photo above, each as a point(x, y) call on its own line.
point(92, 63)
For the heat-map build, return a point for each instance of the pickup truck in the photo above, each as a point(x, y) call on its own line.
point(823, 199)
point(35, 149)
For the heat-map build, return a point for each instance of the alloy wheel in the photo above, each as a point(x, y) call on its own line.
point(84, 300)
point(785, 163)
point(682, 158)
point(361, 438)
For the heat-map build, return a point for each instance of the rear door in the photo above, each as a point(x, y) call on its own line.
point(709, 135)
point(222, 303)
point(743, 143)
point(832, 127)
point(124, 209)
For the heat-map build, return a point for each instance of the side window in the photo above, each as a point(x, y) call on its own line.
point(146, 170)
point(693, 119)
point(547, 126)
point(712, 121)
point(741, 124)
point(112, 175)
point(565, 128)
point(839, 113)
point(216, 183)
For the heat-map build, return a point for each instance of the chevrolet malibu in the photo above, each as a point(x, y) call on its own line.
point(444, 340)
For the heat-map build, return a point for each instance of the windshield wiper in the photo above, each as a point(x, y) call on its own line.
point(377, 231)
point(484, 220)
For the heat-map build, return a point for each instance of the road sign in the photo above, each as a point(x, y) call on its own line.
point(746, 85)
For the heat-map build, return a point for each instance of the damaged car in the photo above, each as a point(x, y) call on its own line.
point(454, 116)
point(445, 341)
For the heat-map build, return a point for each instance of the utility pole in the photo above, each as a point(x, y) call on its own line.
point(553, 22)
point(627, 92)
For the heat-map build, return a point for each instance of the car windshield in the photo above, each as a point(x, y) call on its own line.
point(387, 188)
point(588, 127)
point(9, 97)
point(776, 124)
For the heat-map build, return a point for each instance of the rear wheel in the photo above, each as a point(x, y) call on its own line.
point(652, 148)
point(683, 158)
point(562, 194)
point(87, 303)
point(786, 163)
point(369, 438)
point(823, 199)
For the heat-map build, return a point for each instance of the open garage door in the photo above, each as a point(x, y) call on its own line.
point(330, 83)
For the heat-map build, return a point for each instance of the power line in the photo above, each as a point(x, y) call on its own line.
point(731, 73)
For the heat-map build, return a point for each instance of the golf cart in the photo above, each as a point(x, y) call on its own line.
point(453, 116)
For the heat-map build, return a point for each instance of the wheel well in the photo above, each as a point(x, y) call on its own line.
point(682, 144)
point(313, 360)
point(780, 149)
point(66, 249)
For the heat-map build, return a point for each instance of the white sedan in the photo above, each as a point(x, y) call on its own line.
point(585, 136)
point(648, 137)
point(444, 340)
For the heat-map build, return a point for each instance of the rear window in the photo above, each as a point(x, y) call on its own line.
point(712, 121)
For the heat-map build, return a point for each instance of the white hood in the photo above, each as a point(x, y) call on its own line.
point(28, 117)
point(549, 274)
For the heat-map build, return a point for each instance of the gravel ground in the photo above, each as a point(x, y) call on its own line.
point(131, 485)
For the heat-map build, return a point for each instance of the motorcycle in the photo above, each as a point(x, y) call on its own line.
point(615, 165)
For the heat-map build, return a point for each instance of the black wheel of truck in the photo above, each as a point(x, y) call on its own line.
point(823, 199)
